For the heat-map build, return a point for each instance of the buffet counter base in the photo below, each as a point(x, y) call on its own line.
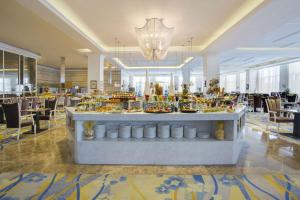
point(157, 151)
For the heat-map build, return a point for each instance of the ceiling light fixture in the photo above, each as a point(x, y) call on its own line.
point(154, 39)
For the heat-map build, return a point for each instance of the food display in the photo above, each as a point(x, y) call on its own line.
point(123, 96)
point(188, 106)
point(213, 109)
point(110, 106)
point(158, 107)
point(133, 106)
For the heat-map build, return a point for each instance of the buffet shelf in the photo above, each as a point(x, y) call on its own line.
point(157, 151)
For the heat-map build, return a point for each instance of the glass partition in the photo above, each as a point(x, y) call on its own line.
point(11, 73)
point(17, 74)
point(1, 74)
point(29, 75)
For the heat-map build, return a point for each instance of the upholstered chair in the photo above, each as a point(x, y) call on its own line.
point(275, 113)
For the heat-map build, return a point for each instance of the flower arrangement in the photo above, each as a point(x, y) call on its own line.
point(213, 88)
point(89, 129)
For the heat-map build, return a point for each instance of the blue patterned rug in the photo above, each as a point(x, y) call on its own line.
point(15, 186)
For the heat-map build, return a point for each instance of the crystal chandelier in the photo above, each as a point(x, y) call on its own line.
point(154, 39)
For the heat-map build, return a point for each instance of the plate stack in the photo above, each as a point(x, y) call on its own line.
point(150, 131)
point(112, 134)
point(190, 132)
point(177, 131)
point(124, 131)
point(163, 130)
point(99, 130)
point(203, 135)
point(137, 131)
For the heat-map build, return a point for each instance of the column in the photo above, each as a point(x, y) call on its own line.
point(62, 69)
point(211, 69)
point(95, 72)
point(247, 81)
point(237, 82)
point(284, 78)
point(131, 81)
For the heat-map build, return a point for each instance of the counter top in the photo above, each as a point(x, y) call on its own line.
point(142, 116)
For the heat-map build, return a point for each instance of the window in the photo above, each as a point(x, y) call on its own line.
point(294, 77)
point(242, 85)
point(196, 81)
point(228, 82)
point(139, 84)
point(268, 79)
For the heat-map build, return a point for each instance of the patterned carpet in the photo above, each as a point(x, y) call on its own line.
point(153, 187)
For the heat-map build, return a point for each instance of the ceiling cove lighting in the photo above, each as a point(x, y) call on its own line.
point(84, 50)
point(186, 61)
point(154, 39)
point(267, 49)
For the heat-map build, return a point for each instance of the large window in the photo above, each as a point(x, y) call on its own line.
point(294, 77)
point(228, 82)
point(139, 84)
point(242, 83)
point(268, 79)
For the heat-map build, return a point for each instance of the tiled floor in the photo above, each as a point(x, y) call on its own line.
point(49, 153)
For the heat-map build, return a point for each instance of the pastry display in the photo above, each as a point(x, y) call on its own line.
point(188, 106)
point(158, 107)
point(133, 106)
point(213, 109)
point(123, 96)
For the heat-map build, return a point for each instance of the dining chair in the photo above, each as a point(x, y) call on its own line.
point(275, 114)
point(25, 104)
point(34, 103)
point(50, 105)
point(14, 119)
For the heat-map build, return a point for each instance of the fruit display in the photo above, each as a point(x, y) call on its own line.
point(158, 107)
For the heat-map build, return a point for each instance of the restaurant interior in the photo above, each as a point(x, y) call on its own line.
point(159, 100)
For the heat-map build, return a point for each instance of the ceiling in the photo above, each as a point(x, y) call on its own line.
point(245, 33)
point(118, 18)
point(23, 29)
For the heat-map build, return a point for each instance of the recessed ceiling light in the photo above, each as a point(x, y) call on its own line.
point(84, 50)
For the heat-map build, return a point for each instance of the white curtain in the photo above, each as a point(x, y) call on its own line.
point(242, 82)
point(268, 79)
point(228, 82)
point(294, 77)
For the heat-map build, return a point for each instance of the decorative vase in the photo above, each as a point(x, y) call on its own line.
point(89, 134)
point(219, 134)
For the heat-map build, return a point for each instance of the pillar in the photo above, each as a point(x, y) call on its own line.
point(62, 70)
point(247, 81)
point(95, 72)
point(237, 82)
point(211, 69)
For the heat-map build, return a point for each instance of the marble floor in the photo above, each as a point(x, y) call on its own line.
point(49, 153)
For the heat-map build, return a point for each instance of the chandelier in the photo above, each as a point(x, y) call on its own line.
point(154, 39)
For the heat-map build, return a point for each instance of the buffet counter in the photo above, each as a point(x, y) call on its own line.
point(157, 150)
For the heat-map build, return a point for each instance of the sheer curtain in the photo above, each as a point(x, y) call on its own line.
point(228, 82)
point(139, 84)
point(294, 77)
point(268, 79)
point(243, 82)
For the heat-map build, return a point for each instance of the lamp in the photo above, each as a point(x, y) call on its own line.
point(154, 39)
